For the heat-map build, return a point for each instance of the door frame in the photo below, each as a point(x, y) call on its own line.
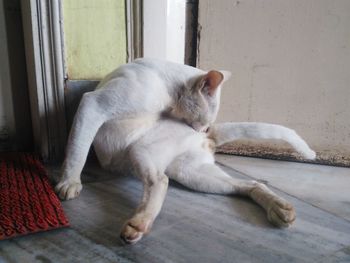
point(44, 48)
point(45, 69)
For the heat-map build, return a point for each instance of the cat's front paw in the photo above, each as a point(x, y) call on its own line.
point(67, 190)
point(280, 212)
point(134, 229)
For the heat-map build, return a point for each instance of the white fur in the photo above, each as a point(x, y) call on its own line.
point(172, 149)
point(132, 136)
point(146, 87)
point(168, 148)
point(226, 132)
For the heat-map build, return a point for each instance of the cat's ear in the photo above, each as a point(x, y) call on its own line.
point(211, 81)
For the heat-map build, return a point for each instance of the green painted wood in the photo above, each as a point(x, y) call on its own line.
point(95, 37)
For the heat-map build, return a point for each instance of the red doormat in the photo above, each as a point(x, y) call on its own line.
point(28, 203)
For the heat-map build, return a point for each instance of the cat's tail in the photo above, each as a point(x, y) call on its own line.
point(228, 132)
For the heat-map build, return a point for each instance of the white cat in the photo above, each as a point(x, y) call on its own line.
point(146, 87)
point(155, 147)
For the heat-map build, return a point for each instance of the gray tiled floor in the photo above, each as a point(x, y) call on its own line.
point(323, 186)
point(196, 227)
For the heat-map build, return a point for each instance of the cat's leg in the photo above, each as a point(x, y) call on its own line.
point(85, 125)
point(209, 178)
point(155, 185)
point(229, 131)
point(95, 108)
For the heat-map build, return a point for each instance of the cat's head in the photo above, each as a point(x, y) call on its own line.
point(198, 104)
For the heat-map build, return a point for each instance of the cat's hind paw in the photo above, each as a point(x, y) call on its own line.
point(67, 190)
point(134, 229)
point(281, 213)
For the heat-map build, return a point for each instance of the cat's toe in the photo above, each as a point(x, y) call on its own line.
point(281, 213)
point(68, 190)
point(134, 229)
point(130, 235)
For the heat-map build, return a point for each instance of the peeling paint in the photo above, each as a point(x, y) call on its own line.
point(236, 3)
point(7, 140)
point(4, 132)
point(199, 30)
point(191, 33)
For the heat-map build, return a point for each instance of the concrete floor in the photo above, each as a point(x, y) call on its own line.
point(196, 227)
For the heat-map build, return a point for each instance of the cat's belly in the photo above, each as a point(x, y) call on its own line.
point(115, 136)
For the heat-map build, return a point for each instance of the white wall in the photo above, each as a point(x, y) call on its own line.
point(164, 29)
point(290, 61)
point(7, 123)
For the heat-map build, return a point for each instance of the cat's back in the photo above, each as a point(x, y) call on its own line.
point(167, 68)
point(150, 70)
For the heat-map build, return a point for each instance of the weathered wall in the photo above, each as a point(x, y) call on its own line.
point(290, 62)
point(95, 37)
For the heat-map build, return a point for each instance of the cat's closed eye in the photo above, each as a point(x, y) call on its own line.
point(199, 127)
